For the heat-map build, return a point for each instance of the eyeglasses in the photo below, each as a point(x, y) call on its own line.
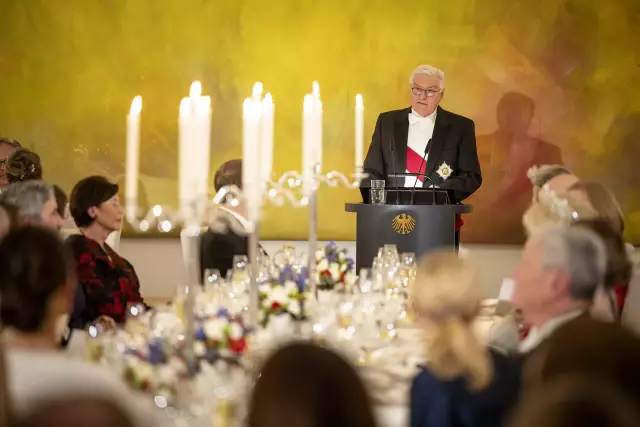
point(429, 93)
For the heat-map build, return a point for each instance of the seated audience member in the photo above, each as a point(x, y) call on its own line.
point(23, 165)
point(465, 383)
point(6, 147)
point(556, 279)
point(37, 285)
point(599, 351)
point(609, 299)
point(34, 202)
point(77, 412)
point(305, 385)
point(556, 177)
point(603, 201)
point(575, 402)
point(109, 281)
point(217, 248)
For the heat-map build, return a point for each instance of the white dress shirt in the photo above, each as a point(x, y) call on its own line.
point(538, 334)
point(420, 132)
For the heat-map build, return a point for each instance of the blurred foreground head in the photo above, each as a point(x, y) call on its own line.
point(303, 385)
point(78, 412)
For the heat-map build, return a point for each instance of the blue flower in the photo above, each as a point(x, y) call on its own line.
point(156, 352)
point(223, 312)
point(200, 335)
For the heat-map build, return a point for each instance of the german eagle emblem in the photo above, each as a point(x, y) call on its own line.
point(403, 224)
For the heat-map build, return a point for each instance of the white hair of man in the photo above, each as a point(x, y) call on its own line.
point(427, 70)
point(579, 253)
point(29, 198)
point(540, 175)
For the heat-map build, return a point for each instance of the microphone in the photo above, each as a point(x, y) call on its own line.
point(433, 187)
point(393, 165)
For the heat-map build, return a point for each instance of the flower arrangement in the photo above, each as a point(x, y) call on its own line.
point(154, 367)
point(335, 270)
point(283, 293)
point(222, 336)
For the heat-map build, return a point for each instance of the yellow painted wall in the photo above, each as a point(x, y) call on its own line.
point(69, 69)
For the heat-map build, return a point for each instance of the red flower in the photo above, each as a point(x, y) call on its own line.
point(238, 346)
point(325, 273)
point(275, 306)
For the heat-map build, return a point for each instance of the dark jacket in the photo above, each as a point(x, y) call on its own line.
point(109, 282)
point(217, 248)
point(453, 142)
point(440, 403)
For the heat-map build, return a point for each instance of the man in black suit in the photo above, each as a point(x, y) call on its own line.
point(218, 247)
point(402, 136)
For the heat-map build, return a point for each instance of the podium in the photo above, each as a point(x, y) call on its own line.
point(412, 228)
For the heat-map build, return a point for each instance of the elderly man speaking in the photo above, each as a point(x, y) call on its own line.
point(426, 139)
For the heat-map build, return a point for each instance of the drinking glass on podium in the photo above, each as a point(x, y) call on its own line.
point(378, 195)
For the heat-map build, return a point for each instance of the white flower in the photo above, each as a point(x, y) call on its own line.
point(167, 374)
point(199, 348)
point(291, 287)
point(319, 254)
point(334, 268)
point(264, 288)
point(323, 264)
point(343, 268)
point(294, 308)
point(341, 256)
point(214, 329)
point(278, 294)
point(235, 331)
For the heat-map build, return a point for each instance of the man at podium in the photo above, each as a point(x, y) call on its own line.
point(425, 139)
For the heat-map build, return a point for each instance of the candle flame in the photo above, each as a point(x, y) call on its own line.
point(257, 90)
point(359, 102)
point(196, 90)
point(316, 89)
point(136, 106)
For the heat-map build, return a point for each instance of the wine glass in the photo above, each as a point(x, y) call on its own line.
point(212, 279)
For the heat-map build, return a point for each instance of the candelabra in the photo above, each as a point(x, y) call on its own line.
point(288, 189)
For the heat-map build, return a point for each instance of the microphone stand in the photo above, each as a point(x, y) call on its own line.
point(395, 175)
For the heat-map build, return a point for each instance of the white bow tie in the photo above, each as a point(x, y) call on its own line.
point(415, 118)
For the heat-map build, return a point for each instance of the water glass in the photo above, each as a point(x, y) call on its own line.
point(212, 278)
point(378, 194)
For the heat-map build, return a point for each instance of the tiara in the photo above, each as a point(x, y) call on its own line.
point(559, 206)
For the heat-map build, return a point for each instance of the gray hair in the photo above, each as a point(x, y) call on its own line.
point(427, 70)
point(580, 253)
point(29, 198)
point(540, 175)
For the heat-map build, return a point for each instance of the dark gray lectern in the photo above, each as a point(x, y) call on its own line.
point(412, 228)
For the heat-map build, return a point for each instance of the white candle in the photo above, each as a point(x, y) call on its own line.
point(194, 153)
point(266, 149)
point(132, 160)
point(311, 138)
point(359, 132)
point(251, 150)
point(317, 124)
point(308, 152)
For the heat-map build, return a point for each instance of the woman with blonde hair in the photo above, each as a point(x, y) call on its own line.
point(465, 383)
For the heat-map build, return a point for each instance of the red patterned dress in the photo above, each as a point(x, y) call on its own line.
point(109, 281)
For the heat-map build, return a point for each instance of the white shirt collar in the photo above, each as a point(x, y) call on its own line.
point(538, 334)
point(245, 223)
point(415, 117)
